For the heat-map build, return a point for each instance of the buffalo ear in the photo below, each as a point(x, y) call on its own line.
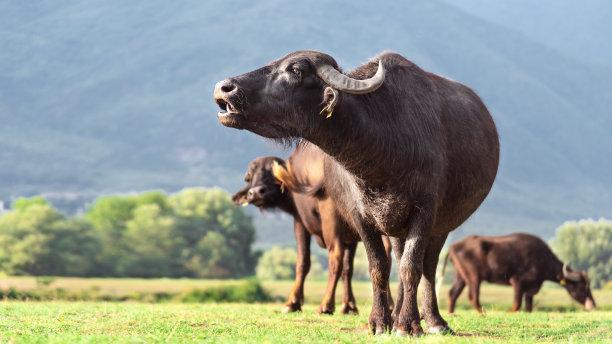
point(330, 99)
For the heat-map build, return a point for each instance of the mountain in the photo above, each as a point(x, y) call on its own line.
point(110, 96)
point(579, 29)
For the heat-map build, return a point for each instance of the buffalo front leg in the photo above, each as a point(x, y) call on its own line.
point(411, 270)
point(431, 313)
point(302, 266)
point(334, 258)
point(518, 295)
point(380, 316)
point(388, 249)
point(349, 305)
point(474, 290)
point(529, 302)
point(455, 291)
point(398, 249)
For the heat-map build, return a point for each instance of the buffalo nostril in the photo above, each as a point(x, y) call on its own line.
point(227, 88)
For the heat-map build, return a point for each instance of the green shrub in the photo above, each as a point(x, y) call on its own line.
point(249, 291)
point(587, 246)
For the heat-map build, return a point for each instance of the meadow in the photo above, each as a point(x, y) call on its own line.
point(556, 317)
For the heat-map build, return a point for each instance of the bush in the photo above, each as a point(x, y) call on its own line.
point(586, 245)
point(248, 291)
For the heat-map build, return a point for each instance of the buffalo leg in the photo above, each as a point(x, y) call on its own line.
point(334, 258)
point(411, 270)
point(398, 249)
point(302, 266)
point(431, 312)
point(518, 296)
point(529, 302)
point(455, 291)
point(380, 316)
point(388, 250)
point(349, 306)
point(474, 290)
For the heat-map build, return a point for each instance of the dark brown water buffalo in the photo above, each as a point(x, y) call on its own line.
point(409, 154)
point(313, 216)
point(521, 260)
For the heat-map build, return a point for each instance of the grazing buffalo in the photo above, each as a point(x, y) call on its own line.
point(409, 154)
point(313, 216)
point(521, 260)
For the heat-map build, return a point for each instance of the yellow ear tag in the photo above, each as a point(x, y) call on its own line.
point(244, 204)
point(563, 282)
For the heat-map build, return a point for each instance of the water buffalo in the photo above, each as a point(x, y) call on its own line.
point(521, 260)
point(313, 216)
point(409, 154)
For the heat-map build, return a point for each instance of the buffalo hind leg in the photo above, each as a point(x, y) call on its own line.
point(431, 312)
point(455, 291)
point(334, 258)
point(349, 305)
point(302, 266)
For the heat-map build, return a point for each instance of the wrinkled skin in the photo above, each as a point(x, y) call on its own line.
point(411, 160)
point(313, 217)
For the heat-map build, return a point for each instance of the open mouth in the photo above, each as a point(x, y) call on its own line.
point(225, 106)
point(228, 115)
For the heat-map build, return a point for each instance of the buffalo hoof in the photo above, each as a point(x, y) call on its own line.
point(380, 331)
point(349, 308)
point(326, 310)
point(402, 333)
point(291, 308)
point(441, 329)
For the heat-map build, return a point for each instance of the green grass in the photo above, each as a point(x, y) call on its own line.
point(556, 319)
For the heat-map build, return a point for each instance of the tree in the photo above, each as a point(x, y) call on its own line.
point(152, 248)
point(35, 239)
point(214, 230)
point(587, 245)
point(278, 263)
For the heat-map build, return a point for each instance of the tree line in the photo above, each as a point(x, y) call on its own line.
point(199, 233)
point(193, 233)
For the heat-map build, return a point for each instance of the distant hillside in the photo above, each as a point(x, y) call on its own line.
point(114, 96)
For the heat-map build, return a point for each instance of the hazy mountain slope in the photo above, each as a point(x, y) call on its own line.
point(580, 29)
point(112, 96)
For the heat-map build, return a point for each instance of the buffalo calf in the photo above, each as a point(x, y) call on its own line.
point(313, 217)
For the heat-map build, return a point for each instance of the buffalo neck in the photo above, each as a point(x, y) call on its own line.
point(365, 137)
point(555, 273)
point(287, 204)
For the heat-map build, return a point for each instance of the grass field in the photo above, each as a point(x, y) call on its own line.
point(556, 319)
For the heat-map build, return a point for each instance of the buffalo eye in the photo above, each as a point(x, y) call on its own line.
point(297, 71)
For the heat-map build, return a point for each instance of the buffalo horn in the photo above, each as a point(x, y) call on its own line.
point(343, 83)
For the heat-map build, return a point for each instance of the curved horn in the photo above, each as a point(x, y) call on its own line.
point(341, 82)
point(570, 275)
